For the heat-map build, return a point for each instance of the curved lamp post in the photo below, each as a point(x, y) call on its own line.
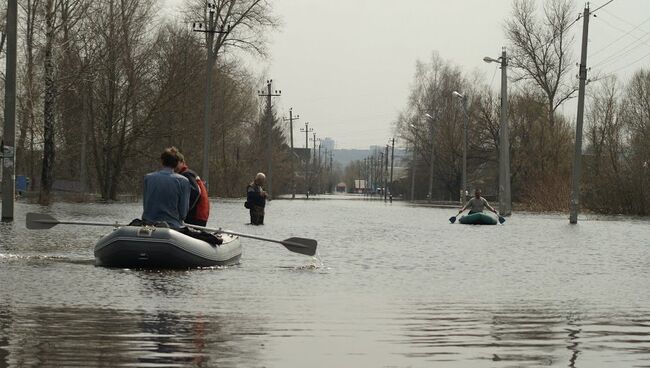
point(464, 177)
point(505, 201)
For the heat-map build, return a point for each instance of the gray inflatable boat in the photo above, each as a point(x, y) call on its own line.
point(154, 247)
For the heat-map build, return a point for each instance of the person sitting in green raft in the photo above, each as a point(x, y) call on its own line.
point(476, 215)
point(477, 204)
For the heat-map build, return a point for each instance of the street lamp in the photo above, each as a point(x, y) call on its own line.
point(505, 202)
point(464, 177)
point(413, 166)
point(432, 120)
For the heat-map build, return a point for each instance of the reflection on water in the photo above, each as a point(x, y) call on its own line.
point(525, 336)
point(84, 337)
point(392, 286)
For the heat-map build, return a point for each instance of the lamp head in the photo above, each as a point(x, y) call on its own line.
point(488, 59)
point(455, 93)
point(429, 116)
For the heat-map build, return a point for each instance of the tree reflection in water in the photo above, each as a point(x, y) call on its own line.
point(89, 337)
point(524, 336)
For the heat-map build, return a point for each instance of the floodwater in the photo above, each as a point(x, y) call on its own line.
point(393, 286)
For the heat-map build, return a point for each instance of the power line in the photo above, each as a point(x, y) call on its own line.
point(618, 39)
point(496, 67)
point(624, 51)
point(602, 6)
point(579, 17)
point(619, 18)
point(625, 67)
point(632, 46)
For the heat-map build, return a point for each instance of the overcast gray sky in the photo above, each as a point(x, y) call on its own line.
point(346, 66)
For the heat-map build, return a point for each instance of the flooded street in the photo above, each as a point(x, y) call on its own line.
point(393, 286)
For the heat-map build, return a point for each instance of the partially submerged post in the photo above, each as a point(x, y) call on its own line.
point(577, 160)
point(8, 146)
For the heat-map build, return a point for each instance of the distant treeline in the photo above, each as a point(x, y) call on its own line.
point(616, 150)
point(105, 86)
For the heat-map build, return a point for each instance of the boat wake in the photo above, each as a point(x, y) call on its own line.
point(9, 257)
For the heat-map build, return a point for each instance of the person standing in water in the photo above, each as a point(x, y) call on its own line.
point(256, 199)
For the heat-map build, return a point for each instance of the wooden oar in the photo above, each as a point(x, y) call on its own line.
point(298, 245)
point(45, 221)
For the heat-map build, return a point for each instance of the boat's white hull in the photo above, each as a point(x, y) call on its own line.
point(150, 247)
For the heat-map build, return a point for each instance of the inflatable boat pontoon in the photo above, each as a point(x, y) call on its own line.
point(155, 247)
point(479, 218)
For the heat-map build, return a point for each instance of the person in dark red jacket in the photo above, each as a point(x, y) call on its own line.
point(199, 201)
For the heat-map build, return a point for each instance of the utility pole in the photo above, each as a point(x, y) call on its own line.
point(413, 174)
point(376, 170)
point(577, 160)
point(365, 176)
point(505, 200)
point(463, 188)
point(331, 182)
point(380, 172)
point(8, 148)
point(386, 176)
point(320, 169)
point(366, 167)
point(392, 162)
point(371, 174)
point(293, 167)
point(269, 130)
point(210, 29)
point(314, 157)
point(431, 138)
point(307, 130)
point(464, 178)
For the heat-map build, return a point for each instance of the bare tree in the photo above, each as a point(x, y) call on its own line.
point(540, 55)
point(243, 24)
point(604, 184)
point(58, 15)
point(239, 24)
point(635, 111)
point(3, 33)
point(28, 96)
point(123, 97)
point(431, 93)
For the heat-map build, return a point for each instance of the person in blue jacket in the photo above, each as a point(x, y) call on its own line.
point(166, 195)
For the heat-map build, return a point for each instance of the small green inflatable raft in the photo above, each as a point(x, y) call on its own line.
point(479, 218)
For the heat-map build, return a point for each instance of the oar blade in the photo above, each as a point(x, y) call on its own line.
point(301, 245)
point(452, 219)
point(501, 220)
point(40, 221)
